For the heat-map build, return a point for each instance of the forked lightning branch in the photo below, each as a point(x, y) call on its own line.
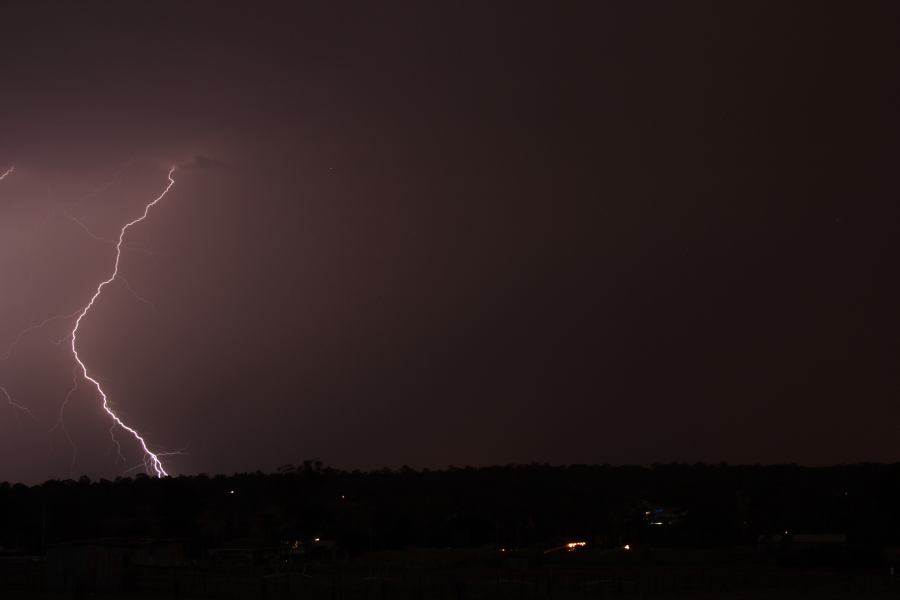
point(152, 460)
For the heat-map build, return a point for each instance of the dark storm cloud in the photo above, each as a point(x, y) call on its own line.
point(205, 162)
point(458, 234)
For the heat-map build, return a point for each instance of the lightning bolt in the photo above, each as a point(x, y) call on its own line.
point(9, 399)
point(124, 281)
point(137, 296)
point(16, 405)
point(12, 345)
point(151, 460)
point(94, 236)
point(61, 424)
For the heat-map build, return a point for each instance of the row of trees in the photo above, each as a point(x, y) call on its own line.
point(512, 506)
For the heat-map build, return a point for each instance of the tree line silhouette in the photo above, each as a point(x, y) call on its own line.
point(514, 506)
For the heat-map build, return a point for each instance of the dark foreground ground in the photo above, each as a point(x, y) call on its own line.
point(812, 584)
point(311, 532)
point(474, 575)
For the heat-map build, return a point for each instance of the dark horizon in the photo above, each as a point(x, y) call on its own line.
point(517, 507)
point(435, 235)
point(316, 464)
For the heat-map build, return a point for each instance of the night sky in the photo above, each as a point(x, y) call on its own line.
point(445, 234)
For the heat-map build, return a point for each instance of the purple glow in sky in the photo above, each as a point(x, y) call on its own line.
point(436, 234)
